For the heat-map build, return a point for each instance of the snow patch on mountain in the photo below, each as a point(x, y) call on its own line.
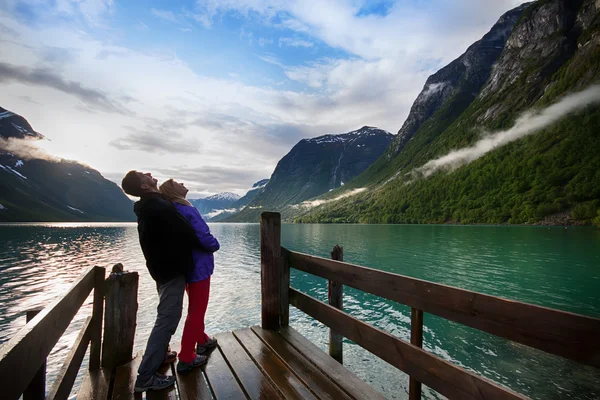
point(224, 196)
point(2, 207)
point(6, 114)
point(7, 168)
point(76, 209)
point(19, 163)
point(347, 137)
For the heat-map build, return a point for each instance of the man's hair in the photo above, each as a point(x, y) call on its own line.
point(132, 184)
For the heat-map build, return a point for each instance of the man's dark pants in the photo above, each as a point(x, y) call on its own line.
point(169, 310)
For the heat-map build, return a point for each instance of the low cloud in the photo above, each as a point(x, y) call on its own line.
point(26, 149)
point(527, 124)
point(320, 202)
point(45, 77)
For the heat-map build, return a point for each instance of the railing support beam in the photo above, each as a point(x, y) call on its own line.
point(416, 338)
point(36, 390)
point(335, 299)
point(97, 314)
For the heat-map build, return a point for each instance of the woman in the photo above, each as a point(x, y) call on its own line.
point(194, 340)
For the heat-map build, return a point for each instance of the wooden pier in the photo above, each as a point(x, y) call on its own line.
point(274, 360)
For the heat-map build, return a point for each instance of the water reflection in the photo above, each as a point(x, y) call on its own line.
point(550, 267)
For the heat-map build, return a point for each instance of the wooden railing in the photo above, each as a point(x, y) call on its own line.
point(23, 357)
point(557, 332)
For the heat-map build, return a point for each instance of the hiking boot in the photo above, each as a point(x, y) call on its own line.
point(157, 382)
point(183, 367)
point(210, 343)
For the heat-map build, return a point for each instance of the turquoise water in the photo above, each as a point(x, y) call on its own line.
point(551, 267)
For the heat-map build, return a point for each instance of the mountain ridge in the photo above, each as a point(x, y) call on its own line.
point(315, 166)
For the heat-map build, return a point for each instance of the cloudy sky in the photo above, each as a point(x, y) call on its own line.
point(215, 92)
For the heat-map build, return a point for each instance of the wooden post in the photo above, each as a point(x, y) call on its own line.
point(271, 266)
point(36, 390)
point(285, 289)
point(335, 297)
point(120, 318)
point(416, 338)
point(97, 314)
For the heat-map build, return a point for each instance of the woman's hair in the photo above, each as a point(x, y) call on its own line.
point(169, 191)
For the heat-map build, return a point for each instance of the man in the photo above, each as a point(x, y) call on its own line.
point(167, 240)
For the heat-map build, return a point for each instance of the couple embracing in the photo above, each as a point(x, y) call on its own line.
point(178, 248)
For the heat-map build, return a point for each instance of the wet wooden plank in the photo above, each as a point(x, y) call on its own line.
point(562, 333)
point(125, 377)
point(94, 385)
point(221, 378)
point(255, 383)
point(351, 384)
point(68, 373)
point(278, 371)
point(169, 393)
point(193, 385)
point(27, 350)
point(446, 378)
point(323, 387)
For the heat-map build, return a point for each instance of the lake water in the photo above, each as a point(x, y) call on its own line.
point(552, 267)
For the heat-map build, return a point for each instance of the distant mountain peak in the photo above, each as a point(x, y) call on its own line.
point(224, 196)
point(15, 126)
point(261, 183)
point(349, 137)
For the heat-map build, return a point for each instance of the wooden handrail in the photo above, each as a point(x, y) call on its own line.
point(26, 351)
point(446, 378)
point(562, 333)
point(68, 373)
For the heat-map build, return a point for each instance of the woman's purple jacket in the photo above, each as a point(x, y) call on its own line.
point(204, 261)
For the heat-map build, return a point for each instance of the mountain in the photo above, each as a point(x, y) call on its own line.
point(316, 166)
point(209, 206)
point(257, 189)
point(551, 50)
point(231, 208)
point(36, 187)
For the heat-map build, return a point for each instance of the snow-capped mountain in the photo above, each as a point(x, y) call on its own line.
point(36, 189)
point(219, 201)
point(316, 166)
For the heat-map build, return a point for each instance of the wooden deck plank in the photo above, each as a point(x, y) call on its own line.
point(94, 385)
point(193, 385)
point(125, 377)
point(323, 387)
point(343, 377)
point(220, 378)
point(169, 393)
point(255, 383)
point(286, 381)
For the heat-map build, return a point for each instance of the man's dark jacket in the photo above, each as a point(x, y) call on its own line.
point(166, 238)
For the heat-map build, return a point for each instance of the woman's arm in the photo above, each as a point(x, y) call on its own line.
point(207, 240)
